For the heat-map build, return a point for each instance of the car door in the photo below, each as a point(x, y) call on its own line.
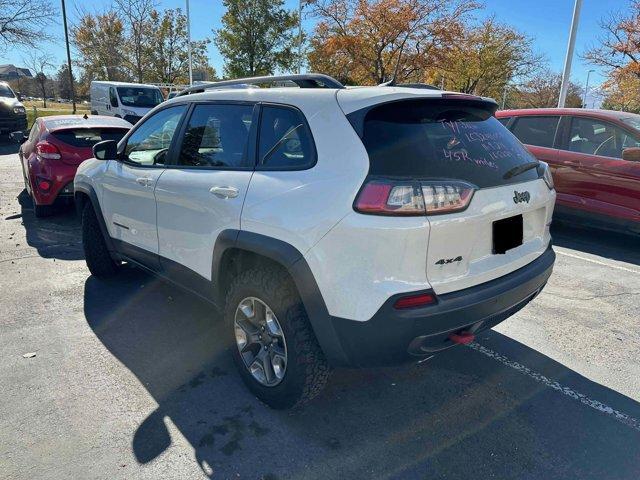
point(602, 183)
point(202, 194)
point(128, 198)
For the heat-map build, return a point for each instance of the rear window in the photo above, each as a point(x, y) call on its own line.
point(88, 137)
point(442, 139)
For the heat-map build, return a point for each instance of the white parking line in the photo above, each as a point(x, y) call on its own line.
point(597, 262)
point(595, 404)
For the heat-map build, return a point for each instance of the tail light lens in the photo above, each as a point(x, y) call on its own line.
point(47, 151)
point(413, 301)
point(404, 198)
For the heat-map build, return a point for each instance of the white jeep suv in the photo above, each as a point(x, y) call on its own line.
point(333, 226)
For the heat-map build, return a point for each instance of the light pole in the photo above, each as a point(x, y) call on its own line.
point(189, 46)
point(566, 73)
point(586, 90)
point(301, 4)
point(66, 39)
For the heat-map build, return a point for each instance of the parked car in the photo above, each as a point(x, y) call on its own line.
point(13, 115)
point(332, 226)
point(53, 149)
point(130, 101)
point(594, 156)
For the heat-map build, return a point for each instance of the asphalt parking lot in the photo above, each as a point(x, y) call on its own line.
point(130, 378)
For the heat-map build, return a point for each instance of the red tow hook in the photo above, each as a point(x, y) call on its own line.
point(462, 338)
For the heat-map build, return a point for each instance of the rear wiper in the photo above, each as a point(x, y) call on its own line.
point(518, 169)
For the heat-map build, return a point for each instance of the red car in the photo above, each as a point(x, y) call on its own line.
point(594, 157)
point(54, 148)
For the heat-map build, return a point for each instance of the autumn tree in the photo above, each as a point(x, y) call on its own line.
point(372, 41)
point(168, 49)
point(487, 57)
point(24, 23)
point(100, 41)
point(257, 37)
point(618, 51)
point(542, 91)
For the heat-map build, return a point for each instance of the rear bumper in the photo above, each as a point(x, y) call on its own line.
point(393, 336)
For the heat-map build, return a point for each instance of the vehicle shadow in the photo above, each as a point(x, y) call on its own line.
point(460, 415)
point(8, 147)
point(616, 246)
point(58, 236)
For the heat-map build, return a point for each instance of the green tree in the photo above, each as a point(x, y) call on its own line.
point(64, 82)
point(257, 37)
point(168, 49)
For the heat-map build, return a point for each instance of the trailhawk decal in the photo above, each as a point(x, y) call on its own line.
point(519, 197)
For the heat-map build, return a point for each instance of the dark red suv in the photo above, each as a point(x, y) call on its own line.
point(54, 148)
point(594, 157)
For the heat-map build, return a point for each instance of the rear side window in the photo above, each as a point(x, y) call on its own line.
point(438, 139)
point(537, 131)
point(285, 142)
point(217, 135)
point(88, 137)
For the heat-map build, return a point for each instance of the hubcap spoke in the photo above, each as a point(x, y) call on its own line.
point(260, 341)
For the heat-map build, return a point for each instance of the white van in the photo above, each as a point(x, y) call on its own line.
point(130, 101)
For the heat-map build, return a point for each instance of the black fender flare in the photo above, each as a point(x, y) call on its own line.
point(293, 261)
point(93, 198)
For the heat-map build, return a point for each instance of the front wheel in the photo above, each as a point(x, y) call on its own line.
point(274, 346)
point(96, 254)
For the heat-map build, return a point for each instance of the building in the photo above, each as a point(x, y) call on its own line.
point(11, 72)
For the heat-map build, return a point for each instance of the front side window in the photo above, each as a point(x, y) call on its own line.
point(595, 137)
point(113, 98)
point(217, 136)
point(144, 97)
point(285, 141)
point(536, 131)
point(150, 142)
point(6, 92)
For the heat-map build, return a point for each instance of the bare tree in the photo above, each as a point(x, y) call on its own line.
point(40, 62)
point(25, 22)
point(137, 15)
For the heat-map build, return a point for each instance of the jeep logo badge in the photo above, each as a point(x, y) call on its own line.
point(519, 197)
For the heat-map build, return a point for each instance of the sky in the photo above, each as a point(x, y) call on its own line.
point(547, 21)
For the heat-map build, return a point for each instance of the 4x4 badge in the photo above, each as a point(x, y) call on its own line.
point(521, 196)
point(444, 261)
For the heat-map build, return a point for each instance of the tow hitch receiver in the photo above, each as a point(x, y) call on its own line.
point(462, 338)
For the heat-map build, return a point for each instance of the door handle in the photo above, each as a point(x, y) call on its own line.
point(144, 181)
point(224, 192)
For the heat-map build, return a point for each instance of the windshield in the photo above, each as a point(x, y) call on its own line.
point(144, 97)
point(443, 139)
point(5, 91)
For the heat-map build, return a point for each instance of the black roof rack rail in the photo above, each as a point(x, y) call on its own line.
point(305, 80)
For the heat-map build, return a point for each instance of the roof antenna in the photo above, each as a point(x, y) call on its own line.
point(392, 82)
point(85, 116)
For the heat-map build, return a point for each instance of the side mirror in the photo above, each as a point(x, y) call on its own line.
point(631, 154)
point(18, 137)
point(106, 150)
point(114, 102)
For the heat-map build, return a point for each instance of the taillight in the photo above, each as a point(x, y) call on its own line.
point(413, 301)
point(47, 151)
point(398, 197)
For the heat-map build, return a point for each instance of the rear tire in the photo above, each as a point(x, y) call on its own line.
point(97, 256)
point(306, 370)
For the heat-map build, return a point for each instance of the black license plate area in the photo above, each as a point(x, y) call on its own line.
point(507, 234)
